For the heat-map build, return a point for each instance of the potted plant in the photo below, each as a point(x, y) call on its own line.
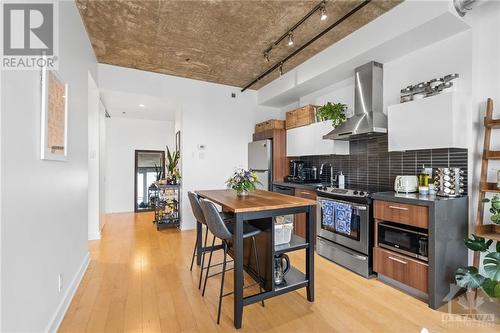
point(469, 277)
point(495, 208)
point(158, 172)
point(172, 165)
point(243, 181)
point(334, 112)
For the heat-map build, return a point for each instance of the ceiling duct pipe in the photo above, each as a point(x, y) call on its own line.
point(464, 6)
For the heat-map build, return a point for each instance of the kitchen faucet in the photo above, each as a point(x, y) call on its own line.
point(332, 179)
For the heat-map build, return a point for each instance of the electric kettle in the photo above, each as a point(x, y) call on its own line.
point(281, 267)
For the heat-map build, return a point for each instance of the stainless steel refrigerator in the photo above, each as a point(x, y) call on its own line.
point(260, 160)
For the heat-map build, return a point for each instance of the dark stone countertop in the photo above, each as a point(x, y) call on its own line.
point(412, 198)
point(311, 187)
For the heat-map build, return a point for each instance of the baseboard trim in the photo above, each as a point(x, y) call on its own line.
point(58, 317)
point(94, 235)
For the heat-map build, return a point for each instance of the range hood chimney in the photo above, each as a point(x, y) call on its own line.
point(368, 119)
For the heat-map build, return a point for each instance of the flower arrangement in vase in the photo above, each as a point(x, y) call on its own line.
point(243, 181)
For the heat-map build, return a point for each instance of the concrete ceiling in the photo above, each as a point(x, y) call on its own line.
point(219, 41)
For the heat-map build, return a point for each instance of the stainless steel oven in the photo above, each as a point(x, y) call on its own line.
point(346, 242)
point(356, 237)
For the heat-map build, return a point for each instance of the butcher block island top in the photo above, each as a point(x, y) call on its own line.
point(257, 200)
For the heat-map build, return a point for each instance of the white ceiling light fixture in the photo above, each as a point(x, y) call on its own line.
point(322, 12)
point(142, 105)
point(290, 39)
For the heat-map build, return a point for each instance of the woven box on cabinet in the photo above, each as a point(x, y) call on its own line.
point(269, 125)
point(301, 117)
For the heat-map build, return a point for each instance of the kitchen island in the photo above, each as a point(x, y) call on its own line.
point(260, 205)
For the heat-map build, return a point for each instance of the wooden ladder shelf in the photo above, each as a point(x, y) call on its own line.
point(489, 231)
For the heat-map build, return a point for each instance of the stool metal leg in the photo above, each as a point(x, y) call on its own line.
point(194, 253)
point(222, 281)
point(203, 257)
point(208, 267)
point(258, 266)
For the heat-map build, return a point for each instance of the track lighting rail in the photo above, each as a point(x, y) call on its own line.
point(280, 63)
point(295, 26)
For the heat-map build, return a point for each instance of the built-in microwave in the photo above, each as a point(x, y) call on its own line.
point(407, 240)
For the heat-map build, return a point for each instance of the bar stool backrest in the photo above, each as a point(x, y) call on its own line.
point(214, 221)
point(196, 208)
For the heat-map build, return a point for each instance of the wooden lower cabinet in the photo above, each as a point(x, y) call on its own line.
point(411, 272)
point(299, 221)
point(417, 216)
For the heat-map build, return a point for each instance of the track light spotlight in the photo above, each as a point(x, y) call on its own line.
point(281, 69)
point(290, 39)
point(266, 56)
point(322, 12)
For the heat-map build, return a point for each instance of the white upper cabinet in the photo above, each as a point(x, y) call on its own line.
point(308, 140)
point(441, 121)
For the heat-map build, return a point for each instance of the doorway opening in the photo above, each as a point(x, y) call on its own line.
point(149, 167)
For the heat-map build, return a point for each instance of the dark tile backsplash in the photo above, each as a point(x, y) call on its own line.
point(371, 167)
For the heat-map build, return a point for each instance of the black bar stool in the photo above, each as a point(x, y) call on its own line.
point(200, 217)
point(224, 232)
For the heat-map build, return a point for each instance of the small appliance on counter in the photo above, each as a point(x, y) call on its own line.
point(299, 173)
point(449, 182)
point(296, 167)
point(406, 184)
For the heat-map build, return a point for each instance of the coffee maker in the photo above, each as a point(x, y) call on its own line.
point(299, 173)
point(296, 168)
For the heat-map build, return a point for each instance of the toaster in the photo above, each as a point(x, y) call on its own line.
point(406, 184)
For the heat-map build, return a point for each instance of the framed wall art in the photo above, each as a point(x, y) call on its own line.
point(178, 141)
point(54, 119)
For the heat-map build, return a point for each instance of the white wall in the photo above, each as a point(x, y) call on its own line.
point(44, 203)
point(102, 165)
point(485, 82)
point(209, 117)
point(94, 231)
point(123, 137)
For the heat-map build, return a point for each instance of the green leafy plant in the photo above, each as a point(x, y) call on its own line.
point(334, 112)
point(495, 208)
point(470, 278)
point(173, 164)
point(158, 171)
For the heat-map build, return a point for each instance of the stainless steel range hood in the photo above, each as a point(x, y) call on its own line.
point(368, 119)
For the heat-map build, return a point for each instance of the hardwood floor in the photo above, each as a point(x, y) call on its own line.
point(139, 281)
